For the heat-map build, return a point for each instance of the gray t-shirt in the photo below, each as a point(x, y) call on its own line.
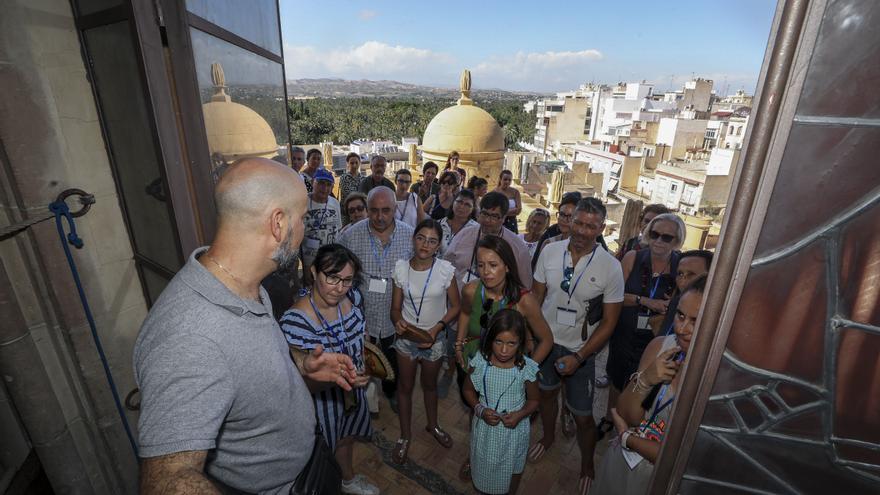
point(215, 374)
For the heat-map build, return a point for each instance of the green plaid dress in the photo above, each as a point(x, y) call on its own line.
point(498, 452)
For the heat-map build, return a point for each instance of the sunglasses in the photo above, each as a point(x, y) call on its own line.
point(567, 274)
point(484, 318)
point(667, 238)
point(356, 209)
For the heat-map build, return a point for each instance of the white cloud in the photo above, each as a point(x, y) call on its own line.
point(371, 60)
point(550, 67)
point(366, 15)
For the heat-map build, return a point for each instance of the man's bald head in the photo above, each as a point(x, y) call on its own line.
point(252, 187)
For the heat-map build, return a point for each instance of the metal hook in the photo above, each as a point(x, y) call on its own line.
point(85, 199)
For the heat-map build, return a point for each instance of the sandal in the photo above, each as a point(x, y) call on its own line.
point(464, 472)
point(398, 456)
point(568, 426)
point(536, 452)
point(441, 436)
point(584, 485)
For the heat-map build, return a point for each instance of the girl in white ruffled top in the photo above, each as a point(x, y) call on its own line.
point(424, 301)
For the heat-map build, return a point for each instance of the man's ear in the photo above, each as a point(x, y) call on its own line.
point(276, 222)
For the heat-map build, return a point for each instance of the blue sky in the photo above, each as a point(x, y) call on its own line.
point(531, 46)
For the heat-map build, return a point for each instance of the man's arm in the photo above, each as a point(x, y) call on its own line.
point(178, 473)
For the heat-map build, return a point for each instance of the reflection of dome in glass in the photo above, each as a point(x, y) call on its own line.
point(468, 129)
point(234, 130)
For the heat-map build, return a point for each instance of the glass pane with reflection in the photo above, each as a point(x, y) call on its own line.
point(138, 165)
point(253, 20)
point(242, 98)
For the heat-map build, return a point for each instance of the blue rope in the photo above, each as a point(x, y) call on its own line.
point(60, 209)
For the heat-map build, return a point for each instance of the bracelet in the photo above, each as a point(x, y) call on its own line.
point(577, 356)
point(458, 344)
point(478, 410)
point(638, 300)
point(623, 439)
point(638, 384)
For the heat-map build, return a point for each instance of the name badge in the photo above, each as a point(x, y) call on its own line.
point(565, 316)
point(377, 285)
point(312, 244)
point(643, 323)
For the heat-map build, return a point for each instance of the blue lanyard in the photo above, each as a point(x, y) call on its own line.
point(315, 224)
point(656, 285)
point(380, 260)
point(571, 290)
point(418, 310)
point(329, 329)
point(658, 407)
point(405, 206)
point(486, 389)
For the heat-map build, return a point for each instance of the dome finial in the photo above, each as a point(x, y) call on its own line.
point(219, 80)
point(465, 88)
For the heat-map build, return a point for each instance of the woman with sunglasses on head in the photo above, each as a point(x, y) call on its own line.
point(650, 279)
point(409, 206)
point(480, 187)
point(498, 287)
point(439, 204)
point(355, 206)
point(331, 317)
point(461, 215)
point(424, 302)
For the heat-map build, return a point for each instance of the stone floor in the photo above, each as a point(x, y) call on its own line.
point(433, 469)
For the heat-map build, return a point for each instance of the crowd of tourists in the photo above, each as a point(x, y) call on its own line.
point(264, 359)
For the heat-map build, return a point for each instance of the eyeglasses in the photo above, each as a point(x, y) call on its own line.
point(567, 274)
point(667, 238)
point(563, 216)
point(490, 216)
point(430, 241)
point(356, 209)
point(335, 280)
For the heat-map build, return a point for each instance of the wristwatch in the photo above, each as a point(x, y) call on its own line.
point(638, 300)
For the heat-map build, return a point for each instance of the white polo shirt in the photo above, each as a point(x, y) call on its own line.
point(596, 273)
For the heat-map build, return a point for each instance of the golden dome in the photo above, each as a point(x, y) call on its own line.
point(234, 130)
point(468, 129)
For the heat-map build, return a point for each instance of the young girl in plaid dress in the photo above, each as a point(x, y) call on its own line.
point(503, 392)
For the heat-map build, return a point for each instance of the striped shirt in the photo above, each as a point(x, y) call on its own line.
point(341, 336)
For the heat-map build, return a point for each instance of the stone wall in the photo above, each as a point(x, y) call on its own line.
point(51, 141)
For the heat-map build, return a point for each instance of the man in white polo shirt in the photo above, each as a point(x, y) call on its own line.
point(569, 275)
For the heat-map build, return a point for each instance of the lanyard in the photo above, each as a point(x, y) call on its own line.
point(380, 259)
point(315, 224)
point(486, 389)
point(654, 289)
point(571, 290)
point(658, 407)
point(405, 206)
point(329, 328)
point(418, 310)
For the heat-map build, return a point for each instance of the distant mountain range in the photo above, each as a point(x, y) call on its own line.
point(342, 88)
